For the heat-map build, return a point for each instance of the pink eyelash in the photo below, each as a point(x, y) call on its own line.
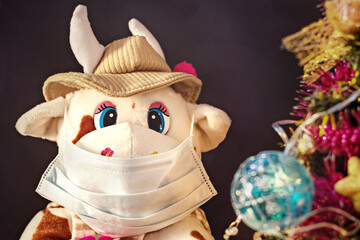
point(160, 106)
point(103, 105)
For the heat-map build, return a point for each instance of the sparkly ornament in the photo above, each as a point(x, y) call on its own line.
point(271, 190)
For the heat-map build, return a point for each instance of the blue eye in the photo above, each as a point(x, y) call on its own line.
point(158, 118)
point(105, 115)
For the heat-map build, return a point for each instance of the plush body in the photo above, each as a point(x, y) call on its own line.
point(129, 129)
point(56, 222)
point(46, 121)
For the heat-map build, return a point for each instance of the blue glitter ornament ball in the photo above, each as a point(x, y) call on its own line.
point(271, 190)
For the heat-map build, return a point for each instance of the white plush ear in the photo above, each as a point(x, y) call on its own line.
point(211, 126)
point(41, 121)
point(137, 28)
point(86, 48)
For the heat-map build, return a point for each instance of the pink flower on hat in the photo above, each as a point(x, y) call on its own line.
point(185, 68)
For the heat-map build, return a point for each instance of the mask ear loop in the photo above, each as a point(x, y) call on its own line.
point(66, 117)
point(192, 125)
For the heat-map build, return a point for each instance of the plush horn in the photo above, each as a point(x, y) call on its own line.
point(137, 28)
point(86, 48)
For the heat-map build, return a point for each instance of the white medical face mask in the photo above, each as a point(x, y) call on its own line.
point(120, 197)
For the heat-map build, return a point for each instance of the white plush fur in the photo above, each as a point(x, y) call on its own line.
point(137, 28)
point(42, 120)
point(178, 231)
point(86, 48)
point(85, 102)
point(211, 124)
point(127, 141)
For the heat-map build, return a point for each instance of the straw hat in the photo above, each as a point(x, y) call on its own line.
point(123, 68)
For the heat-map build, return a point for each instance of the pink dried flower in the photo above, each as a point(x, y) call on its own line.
point(342, 73)
point(326, 196)
point(342, 141)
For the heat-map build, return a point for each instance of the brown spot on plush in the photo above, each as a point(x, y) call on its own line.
point(86, 126)
point(133, 106)
point(195, 149)
point(52, 227)
point(56, 206)
point(197, 235)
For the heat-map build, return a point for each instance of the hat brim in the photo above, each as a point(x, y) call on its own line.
point(122, 85)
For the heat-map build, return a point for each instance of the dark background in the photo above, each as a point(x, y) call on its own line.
point(234, 46)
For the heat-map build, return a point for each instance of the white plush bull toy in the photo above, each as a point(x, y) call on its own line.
point(130, 138)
